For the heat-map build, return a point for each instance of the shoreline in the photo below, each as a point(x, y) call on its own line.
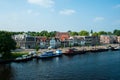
point(85, 48)
point(66, 48)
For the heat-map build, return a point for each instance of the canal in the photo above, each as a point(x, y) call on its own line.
point(89, 66)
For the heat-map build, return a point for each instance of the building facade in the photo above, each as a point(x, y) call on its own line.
point(25, 41)
point(63, 37)
point(55, 43)
point(108, 39)
point(118, 39)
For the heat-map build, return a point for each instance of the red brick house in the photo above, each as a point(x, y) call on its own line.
point(63, 37)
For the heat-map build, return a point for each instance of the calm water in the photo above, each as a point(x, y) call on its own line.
point(92, 66)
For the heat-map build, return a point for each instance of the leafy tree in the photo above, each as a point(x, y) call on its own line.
point(6, 43)
point(44, 33)
point(83, 33)
point(74, 33)
point(116, 32)
point(109, 33)
point(37, 48)
point(52, 34)
point(95, 34)
point(102, 33)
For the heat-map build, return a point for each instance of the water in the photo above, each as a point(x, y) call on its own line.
point(90, 66)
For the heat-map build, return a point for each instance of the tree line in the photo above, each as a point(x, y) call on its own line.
point(72, 33)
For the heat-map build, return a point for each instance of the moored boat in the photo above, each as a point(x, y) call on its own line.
point(23, 58)
point(114, 48)
point(49, 54)
point(71, 51)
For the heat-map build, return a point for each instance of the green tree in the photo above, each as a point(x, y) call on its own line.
point(116, 32)
point(6, 43)
point(37, 48)
point(95, 34)
point(84, 33)
point(109, 33)
point(44, 33)
point(74, 33)
point(102, 33)
point(52, 34)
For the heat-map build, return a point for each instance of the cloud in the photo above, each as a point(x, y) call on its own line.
point(67, 12)
point(98, 19)
point(117, 6)
point(43, 3)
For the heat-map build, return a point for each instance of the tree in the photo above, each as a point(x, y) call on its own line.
point(83, 33)
point(52, 34)
point(74, 33)
point(109, 33)
point(44, 33)
point(95, 34)
point(102, 33)
point(116, 32)
point(6, 43)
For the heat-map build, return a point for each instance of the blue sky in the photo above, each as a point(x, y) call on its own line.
point(59, 15)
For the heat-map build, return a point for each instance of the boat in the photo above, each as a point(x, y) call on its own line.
point(114, 48)
point(71, 51)
point(49, 54)
point(33, 54)
point(23, 58)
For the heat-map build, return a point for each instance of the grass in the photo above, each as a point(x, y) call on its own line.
point(14, 55)
point(18, 54)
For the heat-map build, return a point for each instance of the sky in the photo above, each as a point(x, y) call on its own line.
point(59, 15)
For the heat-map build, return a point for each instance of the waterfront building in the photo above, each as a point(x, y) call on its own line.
point(108, 39)
point(55, 43)
point(63, 37)
point(76, 40)
point(91, 40)
point(84, 40)
point(25, 41)
point(118, 39)
point(41, 42)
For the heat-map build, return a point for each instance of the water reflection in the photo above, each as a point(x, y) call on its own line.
point(6, 72)
point(102, 66)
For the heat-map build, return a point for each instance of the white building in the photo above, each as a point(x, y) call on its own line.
point(25, 41)
point(55, 43)
point(83, 40)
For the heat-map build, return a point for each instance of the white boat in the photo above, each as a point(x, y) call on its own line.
point(33, 54)
point(23, 58)
point(49, 54)
point(117, 48)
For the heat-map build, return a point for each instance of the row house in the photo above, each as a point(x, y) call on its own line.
point(118, 39)
point(42, 42)
point(108, 39)
point(45, 42)
point(84, 40)
point(55, 43)
point(92, 40)
point(63, 37)
point(25, 41)
point(76, 41)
